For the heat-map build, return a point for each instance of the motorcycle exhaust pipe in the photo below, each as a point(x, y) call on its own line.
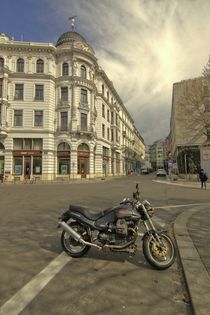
point(75, 235)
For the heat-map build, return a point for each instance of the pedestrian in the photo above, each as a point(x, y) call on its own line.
point(203, 178)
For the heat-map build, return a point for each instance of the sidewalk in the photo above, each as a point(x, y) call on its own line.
point(192, 233)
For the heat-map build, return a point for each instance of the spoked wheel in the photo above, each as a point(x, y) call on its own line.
point(160, 254)
point(72, 247)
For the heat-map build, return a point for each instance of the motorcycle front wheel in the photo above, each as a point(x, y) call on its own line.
point(72, 247)
point(159, 254)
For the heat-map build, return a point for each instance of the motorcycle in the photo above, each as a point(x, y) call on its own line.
point(116, 229)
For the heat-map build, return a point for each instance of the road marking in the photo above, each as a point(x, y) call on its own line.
point(25, 295)
point(185, 205)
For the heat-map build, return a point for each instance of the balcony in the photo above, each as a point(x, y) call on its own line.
point(62, 129)
point(85, 131)
point(63, 104)
point(3, 132)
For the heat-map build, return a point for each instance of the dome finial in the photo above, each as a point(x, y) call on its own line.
point(72, 19)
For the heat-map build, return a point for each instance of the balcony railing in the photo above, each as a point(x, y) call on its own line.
point(62, 103)
point(87, 130)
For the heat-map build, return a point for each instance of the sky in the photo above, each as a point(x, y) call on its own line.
point(144, 46)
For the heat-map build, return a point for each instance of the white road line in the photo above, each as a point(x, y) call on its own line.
point(185, 205)
point(25, 295)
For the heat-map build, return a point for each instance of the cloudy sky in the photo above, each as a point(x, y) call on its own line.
point(144, 46)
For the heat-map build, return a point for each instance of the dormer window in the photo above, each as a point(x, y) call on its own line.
point(20, 65)
point(40, 66)
point(65, 69)
point(83, 72)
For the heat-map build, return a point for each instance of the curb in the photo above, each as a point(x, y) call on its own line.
point(196, 275)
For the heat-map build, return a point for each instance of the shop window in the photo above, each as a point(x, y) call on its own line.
point(17, 165)
point(39, 92)
point(37, 165)
point(38, 118)
point(63, 165)
point(83, 72)
point(40, 66)
point(20, 65)
point(18, 118)
point(19, 91)
point(64, 93)
point(65, 69)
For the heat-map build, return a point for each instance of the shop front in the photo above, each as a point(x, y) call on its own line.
point(27, 164)
point(64, 159)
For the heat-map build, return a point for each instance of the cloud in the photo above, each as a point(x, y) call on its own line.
point(144, 47)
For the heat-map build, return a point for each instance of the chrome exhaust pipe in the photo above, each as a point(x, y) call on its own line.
point(75, 235)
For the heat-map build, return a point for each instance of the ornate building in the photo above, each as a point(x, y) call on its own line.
point(60, 115)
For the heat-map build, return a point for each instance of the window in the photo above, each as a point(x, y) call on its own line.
point(65, 69)
point(18, 91)
point(0, 115)
point(38, 118)
point(39, 92)
point(20, 65)
point(1, 62)
point(112, 118)
point(84, 96)
point(18, 118)
point(107, 133)
point(27, 144)
point(64, 121)
point(40, 66)
point(83, 121)
point(64, 93)
point(103, 130)
point(107, 115)
point(17, 165)
point(1, 87)
point(103, 110)
point(112, 135)
point(116, 119)
point(17, 144)
point(37, 165)
point(107, 96)
point(102, 89)
point(83, 72)
point(63, 146)
point(37, 144)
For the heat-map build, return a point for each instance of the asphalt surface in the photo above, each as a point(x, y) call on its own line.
point(192, 233)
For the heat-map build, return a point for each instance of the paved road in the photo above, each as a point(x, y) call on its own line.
point(100, 283)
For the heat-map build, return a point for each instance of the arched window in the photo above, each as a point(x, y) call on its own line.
point(20, 65)
point(65, 69)
point(63, 146)
point(83, 72)
point(1, 62)
point(83, 147)
point(40, 66)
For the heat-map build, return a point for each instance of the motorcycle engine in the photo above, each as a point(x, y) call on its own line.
point(117, 232)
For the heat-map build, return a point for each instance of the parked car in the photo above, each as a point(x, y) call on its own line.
point(161, 172)
point(144, 170)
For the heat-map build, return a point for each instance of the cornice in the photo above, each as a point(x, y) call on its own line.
point(28, 47)
point(42, 76)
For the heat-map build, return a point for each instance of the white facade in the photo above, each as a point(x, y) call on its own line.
point(60, 115)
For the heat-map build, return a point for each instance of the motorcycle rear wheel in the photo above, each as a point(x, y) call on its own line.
point(72, 247)
point(160, 257)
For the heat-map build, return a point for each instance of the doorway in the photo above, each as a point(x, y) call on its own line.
point(27, 167)
point(82, 167)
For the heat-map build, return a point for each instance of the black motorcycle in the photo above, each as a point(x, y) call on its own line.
point(116, 229)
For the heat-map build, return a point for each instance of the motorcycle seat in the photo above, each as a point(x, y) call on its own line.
point(87, 212)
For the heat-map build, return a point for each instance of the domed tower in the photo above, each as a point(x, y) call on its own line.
point(76, 94)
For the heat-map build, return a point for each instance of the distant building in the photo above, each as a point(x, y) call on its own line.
point(189, 137)
point(60, 115)
point(157, 154)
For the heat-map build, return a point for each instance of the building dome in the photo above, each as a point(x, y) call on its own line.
point(75, 39)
